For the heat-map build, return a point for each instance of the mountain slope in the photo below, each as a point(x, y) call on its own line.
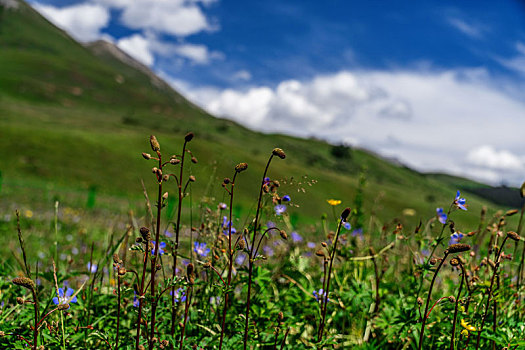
point(75, 118)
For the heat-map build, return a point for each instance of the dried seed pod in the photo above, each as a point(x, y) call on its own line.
point(241, 167)
point(144, 231)
point(345, 214)
point(189, 269)
point(279, 153)
point(433, 261)
point(452, 299)
point(226, 181)
point(324, 244)
point(514, 236)
point(319, 253)
point(241, 244)
point(24, 282)
point(280, 316)
point(146, 156)
point(283, 234)
point(194, 160)
point(457, 248)
point(189, 136)
point(63, 306)
point(20, 300)
point(122, 271)
point(511, 212)
point(419, 301)
point(174, 161)
point(155, 146)
point(454, 262)
point(138, 239)
point(192, 178)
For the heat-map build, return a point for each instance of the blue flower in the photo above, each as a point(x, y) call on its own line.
point(358, 232)
point(268, 250)
point(347, 225)
point(441, 216)
point(226, 226)
point(239, 260)
point(179, 295)
point(200, 248)
point(162, 245)
point(455, 238)
point(286, 198)
point(310, 245)
point(279, 209)
point(65, 298)
point(296, 237)
point(266, 180)
point(92, 267)
point(460, 202)
point(319, 295)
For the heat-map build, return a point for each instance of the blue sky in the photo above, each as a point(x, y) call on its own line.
point(435, 84)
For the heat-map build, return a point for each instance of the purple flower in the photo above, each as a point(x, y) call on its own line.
point(65, 298)
point(179, 295)
point(239, 260)
point(270, 224)
point(460, 202)
point(319, 295)
point(268, 250)
point(162, 245)
point(310, 245)
point(226, 226)
point(222, 206)
point(135, 299)
point(441, 216)
point(92, 267)
point(200, 248)
point(296, 237)
point(279, 209)
point(455, 238)
point(167, 233)
point(266, 180)
point(347, 225)
point(358, 232)
point(286, 198)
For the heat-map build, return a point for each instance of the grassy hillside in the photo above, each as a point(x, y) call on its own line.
point(74, 118)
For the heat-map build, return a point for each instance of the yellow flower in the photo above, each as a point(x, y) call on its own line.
point(468, 327)
point(333, 202)
point(28, 213)
point(464, 332)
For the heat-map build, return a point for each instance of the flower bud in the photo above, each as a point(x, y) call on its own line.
point(511, 212)
point(457, 248)
point(241, 244)
point(165, 196)
point(241, 167)
point(283, 234)
point(144, 231)
point(24, 282)
point(19, 300)
point(189, 136)
point(122, 271)
point(514, 236)
point(420, 301)
point(454, 262)
point(174, 161)
point(192, 178)
point(345, 214)
point(189, 269)
point(319, 253)
point(194, 160)
point(146, 156)
point(279, 153)
point(63, 306)
point(226, 181)
point(155, 146)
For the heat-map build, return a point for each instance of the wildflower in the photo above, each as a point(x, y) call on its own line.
point(92, 267)
point(168, 233)
point(310, 245)
point(455, 238)
point(333, 202)
point(347, 225)
point(162, 245)
point(268, 250)
point(286, 198)
point(460, 202)
point(358, 232)
point(135, 299)
point(222, 206)
point(179, 295)
point(200, 248)
point(225, 226)
point(319, 295)
point(467, 326)
point(65, 298)
point(266, 180)
point(296, 237)
point(441, 216)
point(279, 209)
point(239, 260)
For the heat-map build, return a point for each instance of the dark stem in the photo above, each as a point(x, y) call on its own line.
point(176, 248)
point(35, 331)
point(332, 257)
point(456, 307)
point(141, 294)
point(118, 310)
point(250, 260)
point(186, 310)
point(154, 260)
point(489, 296)
point(284, 339)
point(421, 333)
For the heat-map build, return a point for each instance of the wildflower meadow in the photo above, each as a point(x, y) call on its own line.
point(206, 275)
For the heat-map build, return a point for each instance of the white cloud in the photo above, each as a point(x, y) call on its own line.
point(242, 75)
point(82, 21)
point(469, 29)
point(430, 120)
point(137, 47)
point(516, 63)
point(488, 157)
point(198, 54)
point(176, 17)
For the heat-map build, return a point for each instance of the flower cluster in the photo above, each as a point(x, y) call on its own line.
point(319, 295)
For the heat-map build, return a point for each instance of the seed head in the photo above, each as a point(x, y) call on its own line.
point(279, 153)
point(189, 269)
point(146, 156)
point(283, 234)
point(457, 248)
point(226, 181)
point(319, 253)
point(122, 271)
point(511, 212)
point(513, 235)
point(241, 244)
point(194, 160)
point(454, 262)
point(433, 261)
point(280, 316)
point(155, 146)
point(165, 195)
point(192, 178)
point(420, 301)
point(324, 244)
point(174, 161)
point(63, 306)
point(24, 282)
point(144, 231)
point(345, 214)
point(189, 136)
point(241, 167)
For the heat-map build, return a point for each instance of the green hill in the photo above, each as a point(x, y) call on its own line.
point(74, 120)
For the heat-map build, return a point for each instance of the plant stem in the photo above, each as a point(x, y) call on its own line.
point(428, 301)
point(325, 303)
point(118, 310)
point(456, 307)
point(186, 310)
point(251, 257)
point(141, 294)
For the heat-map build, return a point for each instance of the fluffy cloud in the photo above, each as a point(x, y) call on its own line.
point(430, 120)
point(469, 29)
point(198, 54)
point(137, 47)
point(82, 21)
